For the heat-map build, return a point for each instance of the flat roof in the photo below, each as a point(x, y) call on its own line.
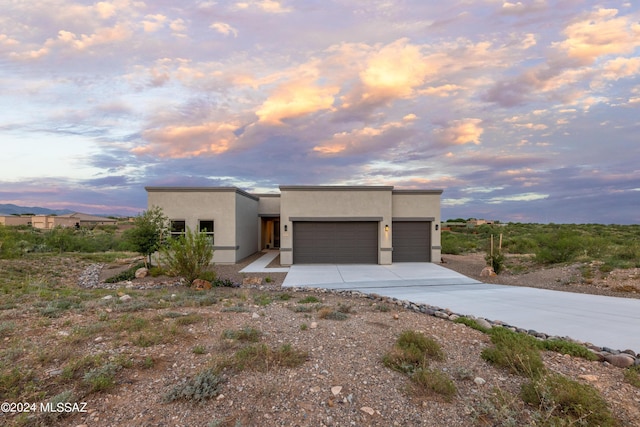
point(201, 190)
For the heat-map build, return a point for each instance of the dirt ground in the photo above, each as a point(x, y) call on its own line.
point(343, 381)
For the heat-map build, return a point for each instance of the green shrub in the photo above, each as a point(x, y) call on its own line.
point(205, 385)
point(310, 299)
point(472, 324)
point(434, 381)
point(632, 376)
point(246, 334)
point(412, 351)
point(126, 275)
point(209, 276)
point(261, 358)
point(187, 256)
point(101, 378)
point(567, 402)
point(514, 351)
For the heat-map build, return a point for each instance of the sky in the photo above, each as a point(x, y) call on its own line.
point(523, 111)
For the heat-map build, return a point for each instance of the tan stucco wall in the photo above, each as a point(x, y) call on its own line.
point(337, 203)
point(246, 226)
point(269, 204)
point(12, 220)
point(217, 204)
point(417, 205)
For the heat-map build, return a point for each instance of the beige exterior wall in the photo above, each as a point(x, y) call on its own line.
point(335, 203)
point(209, 203)
point(13, 220)
point(421, 205)
point(246, 226)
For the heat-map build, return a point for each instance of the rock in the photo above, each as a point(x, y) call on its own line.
point(336, 390)
point(487, 272)
point(314, 325)
point(396, 317)
point(201, 285)
point(483, 323)
point(368, 410)
point(479, 381)
point(255, 316)
point(621, 360)
point(252, 281)
point(590, 378)
point(125, 298)
point(107, 297)
point(141, 273)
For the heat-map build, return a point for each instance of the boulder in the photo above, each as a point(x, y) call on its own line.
point(142, 272)
point(487, 272)
point(201, 285)
point(621, 360)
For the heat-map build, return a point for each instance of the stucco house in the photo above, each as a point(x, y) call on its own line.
point(309, 224)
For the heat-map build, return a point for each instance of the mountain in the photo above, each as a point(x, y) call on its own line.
point(10, 209)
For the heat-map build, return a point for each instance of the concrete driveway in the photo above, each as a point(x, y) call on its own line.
point(601, 320)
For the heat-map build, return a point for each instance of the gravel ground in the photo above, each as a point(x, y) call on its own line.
point(343, 381)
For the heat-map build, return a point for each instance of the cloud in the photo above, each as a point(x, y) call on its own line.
point(269, 6)
point(460, 132)
point(296, 98)
point(598, 34)
point(394, 71)
point(365, 140)
point(181, 141)
point(153, 23)
point(224, 28)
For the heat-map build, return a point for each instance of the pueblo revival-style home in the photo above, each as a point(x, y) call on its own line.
point(309, 224)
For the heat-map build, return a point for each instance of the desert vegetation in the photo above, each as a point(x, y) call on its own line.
point(612, 246)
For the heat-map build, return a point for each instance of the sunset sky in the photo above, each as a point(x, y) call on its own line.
point(522, 111)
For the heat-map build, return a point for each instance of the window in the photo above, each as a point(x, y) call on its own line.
point(178, 228)
point(206, 226)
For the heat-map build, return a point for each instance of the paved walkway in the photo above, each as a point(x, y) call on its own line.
point(601, 320)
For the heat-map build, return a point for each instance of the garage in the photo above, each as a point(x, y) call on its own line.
point(335, 242)
point(411, 241)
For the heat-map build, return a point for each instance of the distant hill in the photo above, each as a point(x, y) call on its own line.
point(10, 209)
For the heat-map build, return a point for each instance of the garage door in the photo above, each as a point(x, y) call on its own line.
point(335, 242)
point(411, 241)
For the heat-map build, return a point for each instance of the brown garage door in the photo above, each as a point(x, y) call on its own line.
point(411, 241)
point(335, 242)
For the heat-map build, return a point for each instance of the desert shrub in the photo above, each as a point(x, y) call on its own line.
point(205, 385)
point(246, 334)
point(260, 357)
point(559, 247)
point(433, 381)
point(101, 378)
point(310, 299)
point(208, 275)
point(331, 314)
point(514, 351)
point(412, 351)
point(567, 347)
point(632, 376)
point(188, 255)
point(148, 232)
point(563, 401)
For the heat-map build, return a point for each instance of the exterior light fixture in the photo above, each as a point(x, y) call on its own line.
point(386, 227)
point(437, 226)
point(285, 227)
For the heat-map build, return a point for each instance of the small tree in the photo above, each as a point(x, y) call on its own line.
point(148, 232)
point(187, 255)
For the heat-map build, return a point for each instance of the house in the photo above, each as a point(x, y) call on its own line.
point(15, 220)
point(47, 222)
point(309, 224)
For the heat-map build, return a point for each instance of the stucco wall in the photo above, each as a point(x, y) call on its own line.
point(194, 204)
point(421, 204)
point(335, 203)
point(246, 226)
